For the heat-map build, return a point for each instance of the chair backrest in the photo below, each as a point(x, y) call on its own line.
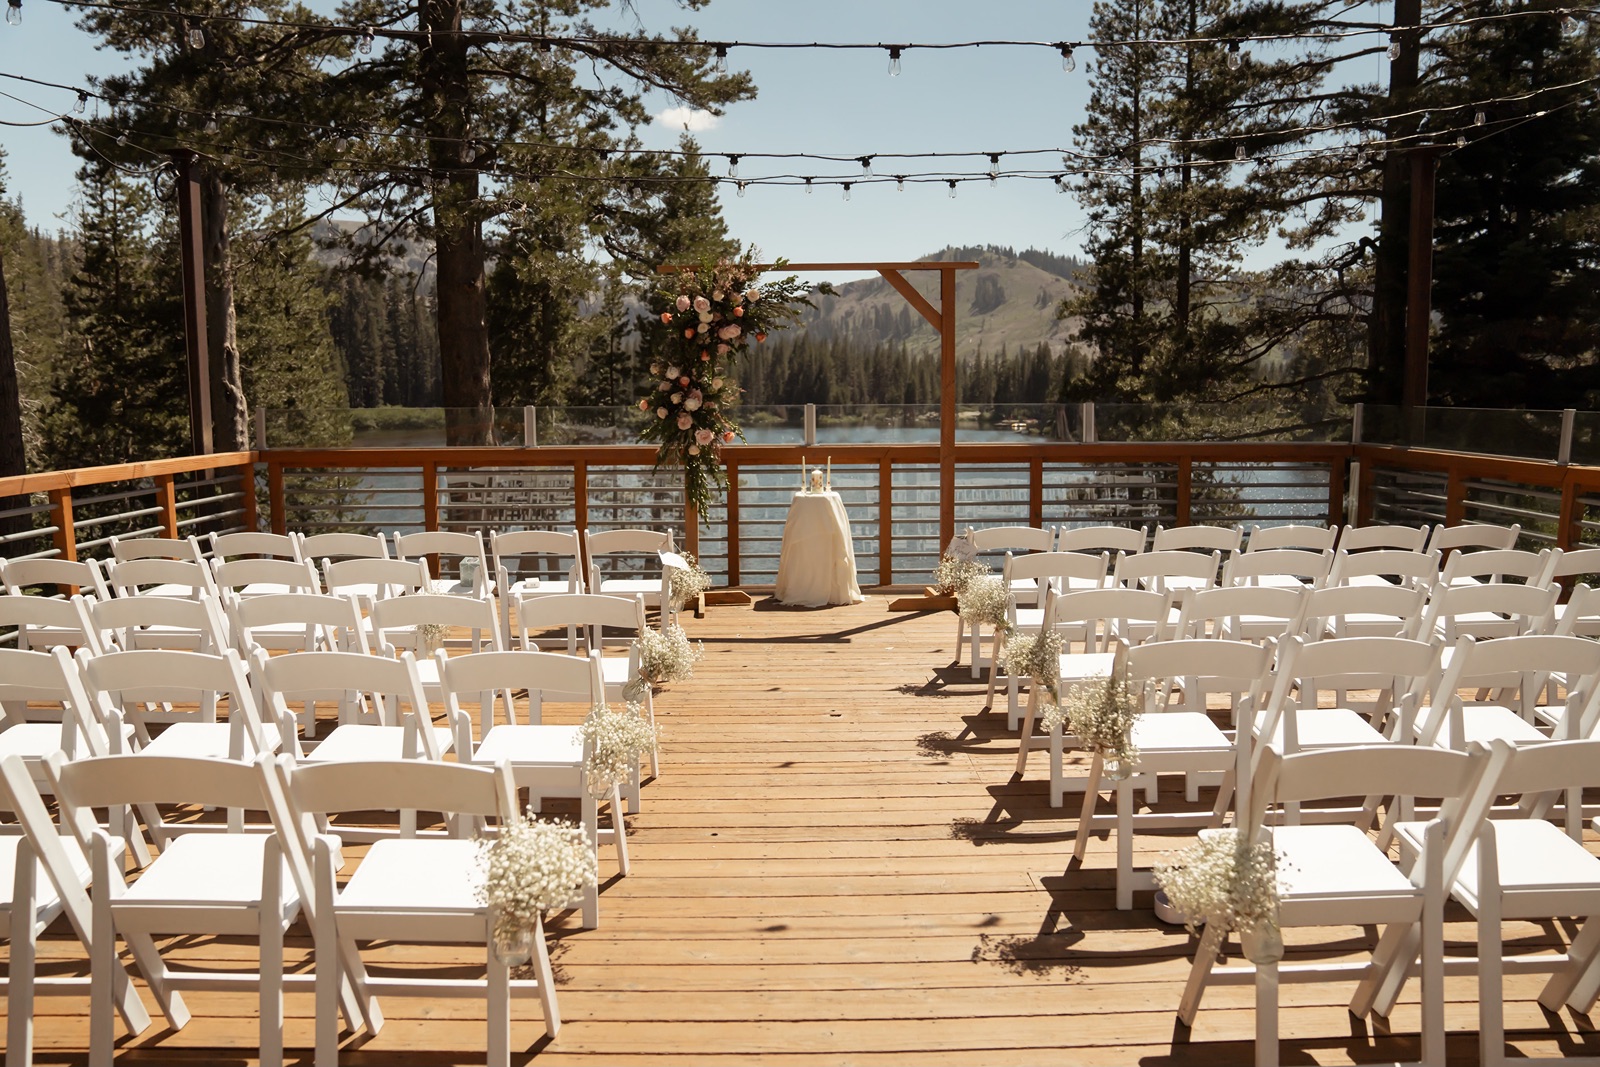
point(313, 790)
point(327, 546)
point(1581, 613)
point(1304, 538)
point(1473, 535)
point(19, 795)
point(583, 610)
point(1202, 666)
point(1248, 568)
point(184, 548)
point(1040, 566)
point(1396, 669)
point(564, 546)
point(121, 681)
point(1012, 538)
point(68, 576)
point(1329, 611)
point(1501, 564)
point(296, 576)
point(1102, 539)
point(598, 543)
point(42, 622)
point(1115, 607)
point(336, 617)
point(1157, 569)
point(389, 683)
point(1524, 607)
point(443, 545)
point(545, 675)
point(1368, 538)
point(1518, 668)
point(405, 613)
point(1230, 606)
point(255, 543)
point(1568, 565)
point(130, 577)
point(151, 622)
point(52, 677)
point(1196, 539)
point(385, 577)
point(1411, 568)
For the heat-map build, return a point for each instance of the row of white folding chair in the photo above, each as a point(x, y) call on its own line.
point(408, 889)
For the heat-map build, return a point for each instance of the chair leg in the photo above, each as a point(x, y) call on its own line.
point(1491, 964)
point(1091, 798)
point(1391, 962)
point(994, 670)
point(1026, 734)
point(19, 990)
point(1205, 958)
point(547, 981)
point(1058, 783)
point(499, 996)
point(619, 828)
point(271, 985)
point(1013, 701)
point(1267, 1014)
point(1125, 845)
point(1578, 983)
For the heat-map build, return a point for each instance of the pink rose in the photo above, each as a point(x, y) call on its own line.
point(705, 357)
point(704, 437)
point(683, 303)
point(728, 333)
point(703, 327)
point(661, 413)
point(728, 435)
point(644, 405)
point(702, 304)
point(664, 386)
point(722, 350)
point(690, 332)
point(685, 421)
point(694, 450)
point(753, 295)
point(738, 313)
point(666, 317)
point(684, 380)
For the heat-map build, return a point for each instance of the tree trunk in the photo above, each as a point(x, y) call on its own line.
point(230, 417)
point(1181, 301)
point(458, 228)
point(1386, 343)
point(13, 458)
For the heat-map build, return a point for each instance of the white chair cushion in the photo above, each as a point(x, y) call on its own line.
point(361, 741)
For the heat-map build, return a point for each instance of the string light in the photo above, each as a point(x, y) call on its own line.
point(808, 186)
point(847, 190)
point(866, 166)
point(1569, 25)
point(1235, 57)
point(211, 124)
point(547, 56)
point(894, 61)
point(1068, 63)
point(1393, 50)
point(196, 36)
point(1061, 183)
point(952, 184)
point(1480, 117)
point(733, 166)
point(14, 13)
point(1240, 153)
point(899, 183)
point(364, 46)
point(720, 65)
point(1461, 140)
point(469, 152)
point(994, 164)
point(740, 187)
point(81, 103)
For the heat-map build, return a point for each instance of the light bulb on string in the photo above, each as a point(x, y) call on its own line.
point(547, 56)
point(952, 183)
point(1393, 51)
point(211, 124)
point(899, 183)
point(894, 61)
point(808, 186)
point(866, 165)
point(1068, 63)
point(1461, 140)
point(740, 188)
point(197, 37)
point(122, 140)
point(79, 104)
point(1240, 153)
point(847, 190)
point(469, 152)
point(1235, 57)
point(994, 166)
point(720, 64)
point(1569, 25)
point(340, 143)
point(1061, 183)
point(364, 45)
point(14, 13)
point(733, 166)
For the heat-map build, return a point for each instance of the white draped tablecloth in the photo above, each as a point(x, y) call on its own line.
point(818, 564)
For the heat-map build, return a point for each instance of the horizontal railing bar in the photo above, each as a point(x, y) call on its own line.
point(24, 535)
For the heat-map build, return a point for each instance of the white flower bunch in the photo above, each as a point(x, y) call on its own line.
point(1225, 881)
point(1101, 712)
point(430, 635)
point(984, 601)
point(666, 655)
point(1036, 655)
point(531, 867)
point(954, 573)
point(685, 585)
point(613, 742)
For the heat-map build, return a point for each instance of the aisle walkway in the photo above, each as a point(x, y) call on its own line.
point(837, 867)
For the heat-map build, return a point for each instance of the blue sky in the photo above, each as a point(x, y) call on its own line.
point(833, 102)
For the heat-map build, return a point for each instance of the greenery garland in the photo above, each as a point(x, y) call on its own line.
point(709, 314)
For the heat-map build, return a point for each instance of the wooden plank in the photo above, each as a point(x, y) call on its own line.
point(167, 501)
point(66, 536)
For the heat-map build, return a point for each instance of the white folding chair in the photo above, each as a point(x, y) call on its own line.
point(530, 563)
point(151, 621)
point(620, 546)
point(398, 623)
point(297, 622)
point(1501, 565)
point(70, 725)
point(1169, 570)
point(546, 760)
point(218, 884)
point(1474, 535)
point(1583, 611)
point(1222, 539)
point(1176, 741)
point(1370, 538)
point(69, 578)
point(1335, 876)
point(254, 544)
point(409, 890)
point(42, 623)
point(455, 556)
point(340, 545)
point(1283, 568)
point(1292, 537)
point(1364, 611)
point(1516, 670)
point(1244, 612)
point(253, 577)
point(1062, 571)
point(159, 576)
point(1384, 566)
point(1102, 539)
point(45, 874)
point(368, 579)
point(124, 549)
point(1496, 609)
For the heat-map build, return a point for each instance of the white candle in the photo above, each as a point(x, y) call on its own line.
point(830, 474)
point(802, 472)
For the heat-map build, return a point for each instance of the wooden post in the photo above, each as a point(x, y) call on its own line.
point(1185, 487)
point(1036, 492)
point(191, 245)
point(167, 501)
point(733, 525)
point(1419, 296)
point(580, 496)
point(430, 497)
point(1455, 498)
point(947, 406)
point(1336, 489)
point(1568, 531)
point(275, 497)
point(65, 537)
point(886, 522)
point(247, 488)
point(691, 529)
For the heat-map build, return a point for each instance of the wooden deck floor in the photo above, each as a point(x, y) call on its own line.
point(837, 866)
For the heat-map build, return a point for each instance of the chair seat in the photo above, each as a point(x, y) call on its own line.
point(362, 741)
point(616, 670)
point(1079, 666)
point(649, 588)
point(1488, 722)
point(524, 745)
point(531, 587)
point(1177, 731)
point(209, 739)
point(1585, 626)
point(1329, 728)
point(1323, 861)
point(31, 740)
point(1535, 856)
point(44, 893)
point(210, 868)
point(407, 875)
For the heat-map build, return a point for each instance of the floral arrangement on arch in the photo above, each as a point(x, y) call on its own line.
point(709, 314)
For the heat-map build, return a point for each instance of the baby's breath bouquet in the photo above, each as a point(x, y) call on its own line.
point(1037, 656)
point(684, 585)
point(532, 866)
point(1228, 882)
point(955, 572)
point(430, 635)
point(1101, 712)
point(983, 602)
point(613, 741)
point(666, 655)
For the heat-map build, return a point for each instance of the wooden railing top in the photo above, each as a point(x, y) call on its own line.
point(44, 481)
